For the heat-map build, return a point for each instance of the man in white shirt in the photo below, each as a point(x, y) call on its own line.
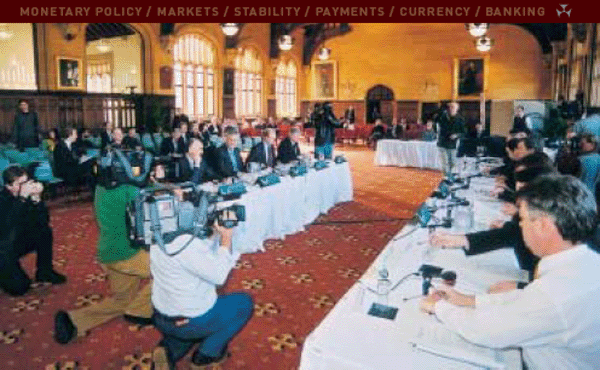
point(555, 318)
point(187, 307)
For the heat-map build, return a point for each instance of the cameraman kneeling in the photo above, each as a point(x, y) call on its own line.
point(24, 228)
point(187, 308)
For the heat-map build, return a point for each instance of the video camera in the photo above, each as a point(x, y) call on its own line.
point(116, 167)
point(158, 216)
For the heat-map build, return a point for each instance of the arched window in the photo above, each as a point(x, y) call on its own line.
point(248, 84)
point(99, 76)
point(194, 75)
point(285, 89)
point(17, 61)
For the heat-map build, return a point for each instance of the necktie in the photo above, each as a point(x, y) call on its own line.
point(233, 160)
point(268, 155)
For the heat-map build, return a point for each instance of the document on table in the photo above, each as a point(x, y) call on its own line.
point(439, 341)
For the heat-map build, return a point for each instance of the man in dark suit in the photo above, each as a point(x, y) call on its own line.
point(184, 140)
point(229, 161)
point(289, 149)
point(24, 228)
point(179, 118)
point(131, 141)
point(173, 144)
point(66, 158)
point(520, 122)
point(192, 167)
point(106, 137)
point(451, 128)
point(264, 152)
point(26, 129)
point(117, 139)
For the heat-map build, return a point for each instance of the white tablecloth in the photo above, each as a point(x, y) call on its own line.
point(286, 208)
point(414, 153)
point(349, 338)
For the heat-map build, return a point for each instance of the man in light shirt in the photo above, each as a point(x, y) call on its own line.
point(555, 318)
point(187, 307)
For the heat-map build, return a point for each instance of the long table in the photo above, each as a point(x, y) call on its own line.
point(412, 153)
point(349, 338)
point(287, 207)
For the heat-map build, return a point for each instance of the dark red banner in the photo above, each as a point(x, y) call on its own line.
point(384, 11)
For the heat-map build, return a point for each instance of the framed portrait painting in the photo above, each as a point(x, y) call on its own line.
point(325, 80)
point(69, 73)
point(470, 77)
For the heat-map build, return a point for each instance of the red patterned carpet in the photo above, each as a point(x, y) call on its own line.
point(294, 283)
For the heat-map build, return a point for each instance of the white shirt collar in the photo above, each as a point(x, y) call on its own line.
point(551, 262)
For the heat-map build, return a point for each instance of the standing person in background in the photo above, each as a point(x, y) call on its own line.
point(349, 115)
point(26, 127)
point(451, 128)
point(520, 121)
point(326, 124)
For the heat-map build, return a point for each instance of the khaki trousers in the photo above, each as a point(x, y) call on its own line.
point(124, 278)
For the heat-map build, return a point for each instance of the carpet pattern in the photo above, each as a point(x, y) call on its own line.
point(294, 283)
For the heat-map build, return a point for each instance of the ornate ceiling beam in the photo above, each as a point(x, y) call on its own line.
point(317, 33)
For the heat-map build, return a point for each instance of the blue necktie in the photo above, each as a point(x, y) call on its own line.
point(233, 160)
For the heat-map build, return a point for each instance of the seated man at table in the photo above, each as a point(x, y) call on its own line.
point(229, 162)
point(505, 235)
point(429, 134)
point(263, 153)
point(132, 141)
point(289, 149)
point(379, 132)
point(193, 167)
point(554, 320)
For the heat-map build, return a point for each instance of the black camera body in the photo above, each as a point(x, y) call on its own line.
point(116, 167)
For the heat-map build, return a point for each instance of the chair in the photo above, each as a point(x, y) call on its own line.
point(4, 163)
point(37, 154)
point(16, 156)
point(43, 173)
point(96, 141)
point(158, 139)
point(148, 143)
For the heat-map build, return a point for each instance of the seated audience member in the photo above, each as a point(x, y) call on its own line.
point(84, 140)
point(66, 158)
point(429, 133)
point(271, 123)
point(179, 118)
point(117, 139)
point(289, 149)
point(590, 161)
point(187, 307)
point(184, 140)
point(193, 167)
point(516, 149)
point(195, 132)
point(554, 319)
point(173, 144)
point(49, 143)
point(378, 132)
point(506, 236)
point(24, 228)
point(264, 152)
point(213, 128)
point(229, 161)
point(398, 130)
point(106, 137)
point(126, 266)
point(132, 141)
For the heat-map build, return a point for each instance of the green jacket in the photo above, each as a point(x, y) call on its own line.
point(111, 212)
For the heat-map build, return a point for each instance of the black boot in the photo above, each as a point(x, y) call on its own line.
point(50, 276)
point(64, 329)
